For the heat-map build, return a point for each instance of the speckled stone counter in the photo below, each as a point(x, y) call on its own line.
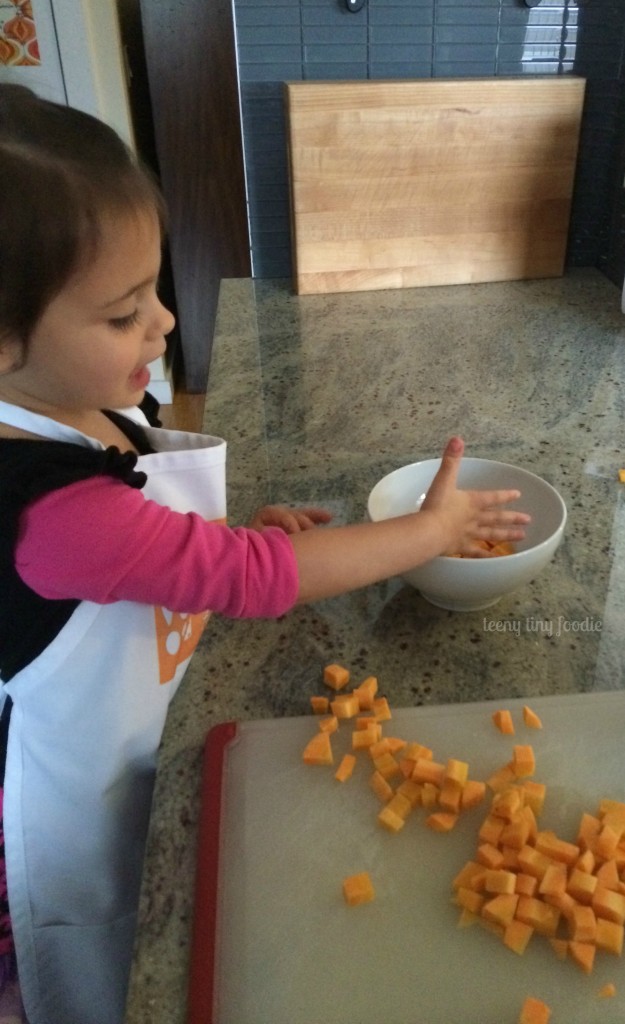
point(320, 396)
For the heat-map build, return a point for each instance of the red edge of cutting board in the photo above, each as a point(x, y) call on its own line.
point(201, 999)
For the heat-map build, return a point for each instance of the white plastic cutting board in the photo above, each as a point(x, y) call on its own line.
point(290, 951)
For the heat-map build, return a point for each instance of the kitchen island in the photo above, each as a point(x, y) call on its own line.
point(320, 396)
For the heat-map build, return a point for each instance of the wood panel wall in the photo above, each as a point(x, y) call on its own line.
point(191, 67)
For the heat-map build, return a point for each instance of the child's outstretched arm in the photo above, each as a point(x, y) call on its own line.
point(343, 558)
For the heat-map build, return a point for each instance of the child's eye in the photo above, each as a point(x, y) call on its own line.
point(124, 323)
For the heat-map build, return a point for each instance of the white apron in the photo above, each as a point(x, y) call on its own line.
point(86, 723)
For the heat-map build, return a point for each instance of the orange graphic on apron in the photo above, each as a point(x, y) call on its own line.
point(177, 636)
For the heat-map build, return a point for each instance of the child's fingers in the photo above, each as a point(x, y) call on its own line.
point(489, 516)
point(290, 520)
point(447, 473)
point(493, 499)
point(308, 518)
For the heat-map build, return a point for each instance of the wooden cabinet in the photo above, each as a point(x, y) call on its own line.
point(190, 56)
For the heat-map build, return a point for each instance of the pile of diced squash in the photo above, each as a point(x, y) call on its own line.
point(522, 881)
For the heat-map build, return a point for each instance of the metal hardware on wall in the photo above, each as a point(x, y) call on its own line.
point(354, 5)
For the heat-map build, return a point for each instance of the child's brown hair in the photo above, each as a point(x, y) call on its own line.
point(62, 173)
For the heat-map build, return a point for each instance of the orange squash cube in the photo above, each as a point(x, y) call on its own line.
point(532, 862)
point(428, 771)
point(541, 916)
point(345, 768)
point(464, 877)
point(449, 797)
point(608, 875)
point(387, 766)
point(318, 750)
point(344, 706)
point(382, 789)
point(609, 904)
point(365, 692)
point(558, 849)
point(411, 790)
point(473, 793)
point(554, 880)
point(608, 990)
point(581, 885)
point(507, 803)
point(319, 705)
point(501, 909)
point(583, 955)
point(399, 805)
point(534, 1011)
point(531, 719)
point(364, 739)
point(525, 885)
point(336, 676)
point(467, 918)
point(429, 794)
point(358, 889)
point(606, 842)
point(586, 863)
point(517, 935)
point(503, 721)
point(395, 744)
point(414, 751)
point(489, 855)
point(391, 820)
point(589, 828)
point(456, 772)
point(381, 709)
point(469, 899)
point(516, 833)
point(501, 778)
point(381, 746)
point(510, 858)
point(329, 723)
point(534, 793)
point(523, 760)
point(609, 936)
point(607, 805)
point(583, 924)
point(563, 901)
point(491, 829)
point(441, 821)
point(499, 881)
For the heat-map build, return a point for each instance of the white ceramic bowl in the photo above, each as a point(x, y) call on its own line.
point(468, 584)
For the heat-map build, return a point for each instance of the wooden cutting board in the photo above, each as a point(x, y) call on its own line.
point(406, 183)
point(274, 940)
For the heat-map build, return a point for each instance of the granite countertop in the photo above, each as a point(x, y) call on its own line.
point(320, 396)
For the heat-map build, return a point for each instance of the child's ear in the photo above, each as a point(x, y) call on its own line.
point(11, 354)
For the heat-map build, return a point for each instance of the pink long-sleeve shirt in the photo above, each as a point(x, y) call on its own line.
point(101, 540)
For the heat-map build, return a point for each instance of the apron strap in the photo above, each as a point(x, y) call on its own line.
point(43, 426)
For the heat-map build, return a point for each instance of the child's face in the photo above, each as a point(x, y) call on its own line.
point(91, 346)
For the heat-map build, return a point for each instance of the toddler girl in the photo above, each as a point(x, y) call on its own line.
point(113, 545)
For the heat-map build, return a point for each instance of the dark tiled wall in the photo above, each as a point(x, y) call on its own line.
point(280, 40)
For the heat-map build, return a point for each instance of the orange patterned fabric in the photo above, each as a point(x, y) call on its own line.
point(18, 35)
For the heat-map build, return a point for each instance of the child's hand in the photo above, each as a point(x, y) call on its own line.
point(291, 520)
point(469, 516)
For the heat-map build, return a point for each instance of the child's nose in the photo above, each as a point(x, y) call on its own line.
point(164, 321)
